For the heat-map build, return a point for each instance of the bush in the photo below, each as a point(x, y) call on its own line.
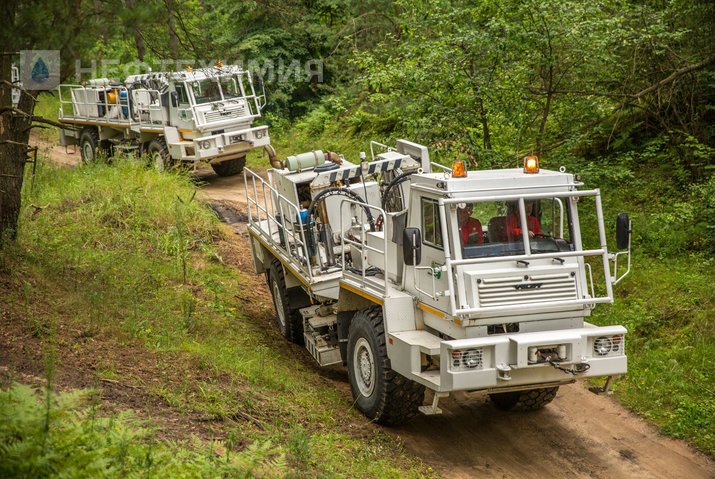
point(54, 436)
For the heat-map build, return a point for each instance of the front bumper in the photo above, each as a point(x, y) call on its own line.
point(221, 146)
point(505, 361)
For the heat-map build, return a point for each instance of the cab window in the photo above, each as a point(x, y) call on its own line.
point(182, 96)
point(431, 226)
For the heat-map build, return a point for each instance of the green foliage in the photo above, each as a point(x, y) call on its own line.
point(65, 438)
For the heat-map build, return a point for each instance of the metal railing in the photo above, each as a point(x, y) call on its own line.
point(452, 264)
point(149, 113)
point(262, 216)
point(92, 104)
point(361, 243)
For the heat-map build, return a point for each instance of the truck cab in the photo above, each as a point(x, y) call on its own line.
point(425, 277)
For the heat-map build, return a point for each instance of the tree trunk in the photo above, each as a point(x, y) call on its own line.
point(173, 37)
point(14, 130)
point(138, 39)
point(485, 125)
point(14, 135)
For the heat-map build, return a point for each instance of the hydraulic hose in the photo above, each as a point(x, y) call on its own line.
point(340, 191)
point(395, 181)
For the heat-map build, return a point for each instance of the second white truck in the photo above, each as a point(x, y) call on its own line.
point(173, 117)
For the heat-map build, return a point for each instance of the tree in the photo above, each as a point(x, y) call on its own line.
point(31, 24)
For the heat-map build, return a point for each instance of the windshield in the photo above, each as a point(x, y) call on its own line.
point(498, 228)
point(215, 89)
point(206, 91)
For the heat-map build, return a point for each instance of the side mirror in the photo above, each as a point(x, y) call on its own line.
point(623, 231)
point(174, 99)
point(412, 246)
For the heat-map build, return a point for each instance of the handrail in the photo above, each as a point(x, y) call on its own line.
point(362, 244)
point(143, 108)
point(385, 147)
point(292, 241)
point(82, 107)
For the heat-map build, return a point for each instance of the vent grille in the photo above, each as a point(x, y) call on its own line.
point(511, 290)
point(220, 115)
point(609, 346)
point(464, 360)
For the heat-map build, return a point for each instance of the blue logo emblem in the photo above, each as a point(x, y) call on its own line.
point(40, 73)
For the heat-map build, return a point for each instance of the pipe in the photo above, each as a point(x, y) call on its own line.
point(275, 162)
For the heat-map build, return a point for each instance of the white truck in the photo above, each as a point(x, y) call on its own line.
point(175, 118)
point(418, 279)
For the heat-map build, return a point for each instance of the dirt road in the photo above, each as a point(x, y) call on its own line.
point(578, 435)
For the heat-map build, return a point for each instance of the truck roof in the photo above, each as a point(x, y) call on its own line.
point(194, 75)
point(490, 182)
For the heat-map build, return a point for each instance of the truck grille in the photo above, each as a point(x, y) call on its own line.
point(518, 290)
point(211, 116)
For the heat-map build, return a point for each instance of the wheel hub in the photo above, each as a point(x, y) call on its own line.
point(364, 367)
point(88, 152)
point(279, 304)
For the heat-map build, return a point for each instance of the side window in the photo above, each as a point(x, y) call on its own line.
point(181, 92)
point(431, 226)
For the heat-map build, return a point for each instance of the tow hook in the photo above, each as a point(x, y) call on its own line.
point(576, 369)
point(503, 372)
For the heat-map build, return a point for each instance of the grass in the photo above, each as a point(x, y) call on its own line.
point(127, 253)
point(668, 306)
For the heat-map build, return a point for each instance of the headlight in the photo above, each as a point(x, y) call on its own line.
point(602, 346)
point(205, 144)
point(467, 359)
point(609, 345)
point(259, 134)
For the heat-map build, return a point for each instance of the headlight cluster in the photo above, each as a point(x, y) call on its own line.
point(609, 346)
point(205, 144)
point(259, 134)
point(467, 359)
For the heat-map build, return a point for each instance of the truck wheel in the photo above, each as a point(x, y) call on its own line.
point(378, 391)
point(89, 145)
point(229, 167)
point(524, 400)
point(159, 154)
point(289, 321)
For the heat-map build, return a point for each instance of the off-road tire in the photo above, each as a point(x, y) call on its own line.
point(229, 167)
point(378, 392)
point(288, 318)
point(89, 145)
point(159, 155)
point(524, 400)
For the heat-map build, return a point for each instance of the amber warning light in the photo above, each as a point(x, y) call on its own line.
point(459, 169)
point(531, 164)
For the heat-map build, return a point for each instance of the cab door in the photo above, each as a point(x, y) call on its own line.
point(427, 280)
point(180, 110)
